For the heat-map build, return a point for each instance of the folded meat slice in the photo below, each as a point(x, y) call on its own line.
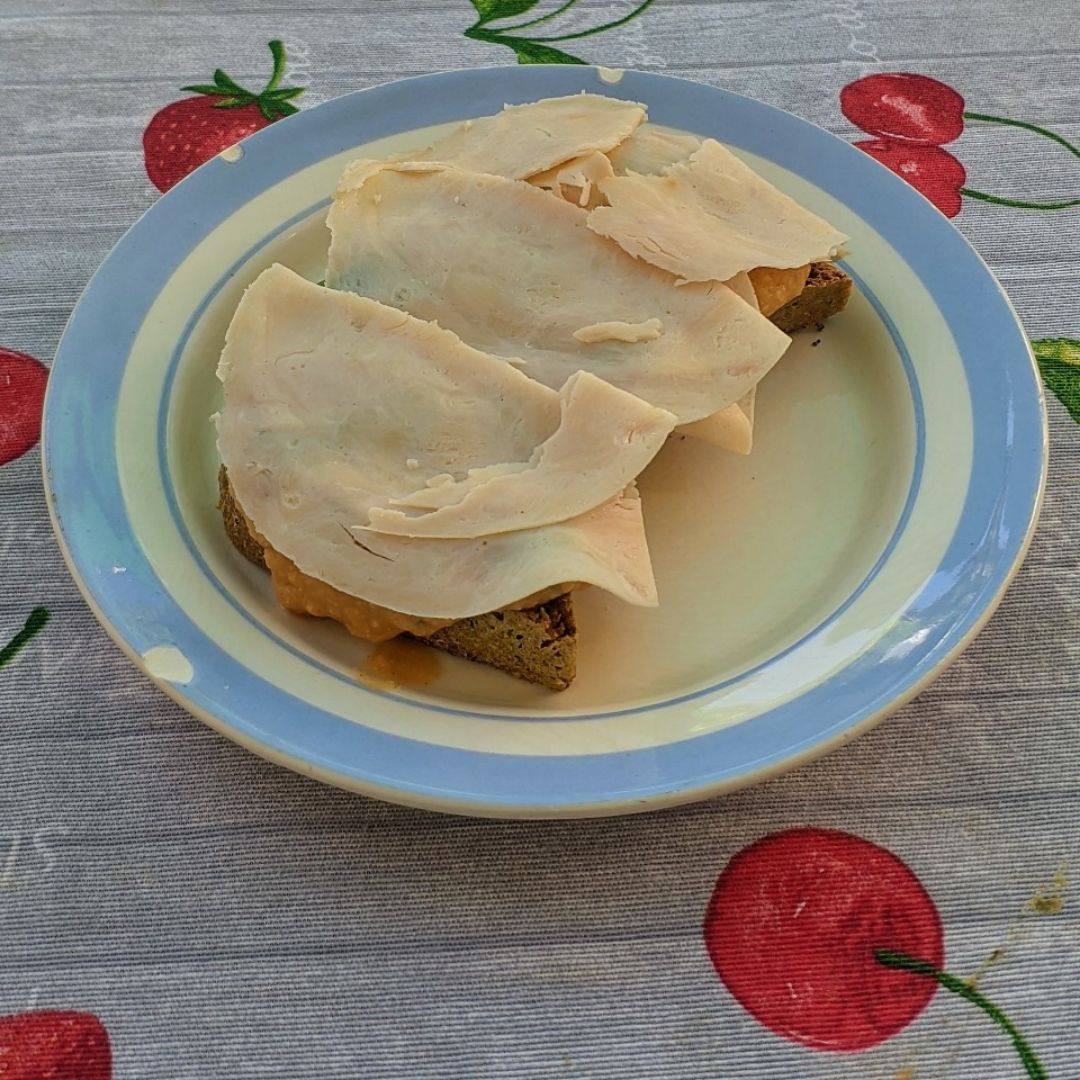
point(710, 217)
point(524, 140)
point(605, 438)
point(651, 151)
point(519, 274)
point(336, 405)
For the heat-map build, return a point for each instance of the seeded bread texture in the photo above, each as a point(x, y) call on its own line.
point(826, 294)
point(537, 644)
point(236, 523)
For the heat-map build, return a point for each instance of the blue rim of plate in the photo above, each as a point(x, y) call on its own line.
point(998, 517)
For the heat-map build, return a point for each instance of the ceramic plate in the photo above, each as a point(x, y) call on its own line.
point(806, 591)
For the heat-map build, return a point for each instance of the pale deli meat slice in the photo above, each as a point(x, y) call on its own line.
point(516, 273)
point(524, 140)
point(709, 218)
point(576, 180)
point(335, 404)
point(731, 428)
point(649, 149)
point(605, 438)
point(652, 150)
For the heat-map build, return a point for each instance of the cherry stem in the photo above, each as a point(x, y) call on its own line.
point(34, 624)
point(1022, 204)
point(901, 962)
point(986, 118)
point(639, 10)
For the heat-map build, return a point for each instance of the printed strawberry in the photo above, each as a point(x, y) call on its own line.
point(904, 108)
point(929, 169)
point(181, 136)
point(54, 1045)
point(22, 392)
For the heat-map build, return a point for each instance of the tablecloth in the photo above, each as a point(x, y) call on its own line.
point(173, 907)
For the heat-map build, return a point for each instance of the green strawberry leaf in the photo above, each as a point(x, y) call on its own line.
point(1059, 362)
point(203, 88)
point(275, 110)
point(227, 85)
point(488, 10)
point(273, 100)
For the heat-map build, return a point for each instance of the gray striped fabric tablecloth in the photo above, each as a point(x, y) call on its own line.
point(224, 918)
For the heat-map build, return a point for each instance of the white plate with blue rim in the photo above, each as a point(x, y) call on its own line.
point(807, 590)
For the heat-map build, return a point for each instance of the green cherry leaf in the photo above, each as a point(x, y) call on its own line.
point(489, 10)
point(1059, 362)
point(532, 52)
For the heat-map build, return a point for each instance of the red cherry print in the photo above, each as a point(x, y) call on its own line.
point(929, 169)
point(53, 1045)
point(181, 136)
point(909, 113)
point(905, 108)
point(793, 927)
point(22, 392)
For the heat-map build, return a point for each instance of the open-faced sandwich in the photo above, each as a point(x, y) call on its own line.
point(443, 440)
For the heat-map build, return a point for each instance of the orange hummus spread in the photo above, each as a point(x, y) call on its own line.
point(303, 594)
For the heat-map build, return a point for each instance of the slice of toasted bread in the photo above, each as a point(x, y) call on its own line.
point(825, 294)
point(236, 524)
point(537, 644)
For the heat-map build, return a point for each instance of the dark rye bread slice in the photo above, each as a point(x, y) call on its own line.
point(825, 294)
point(537, 644)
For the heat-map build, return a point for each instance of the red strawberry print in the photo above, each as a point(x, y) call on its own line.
point(905, 108)
point(22, 393)
point(911, 117)
point(181, 136)
point(54, 1045)
point(929, 169)
point(832, 942)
